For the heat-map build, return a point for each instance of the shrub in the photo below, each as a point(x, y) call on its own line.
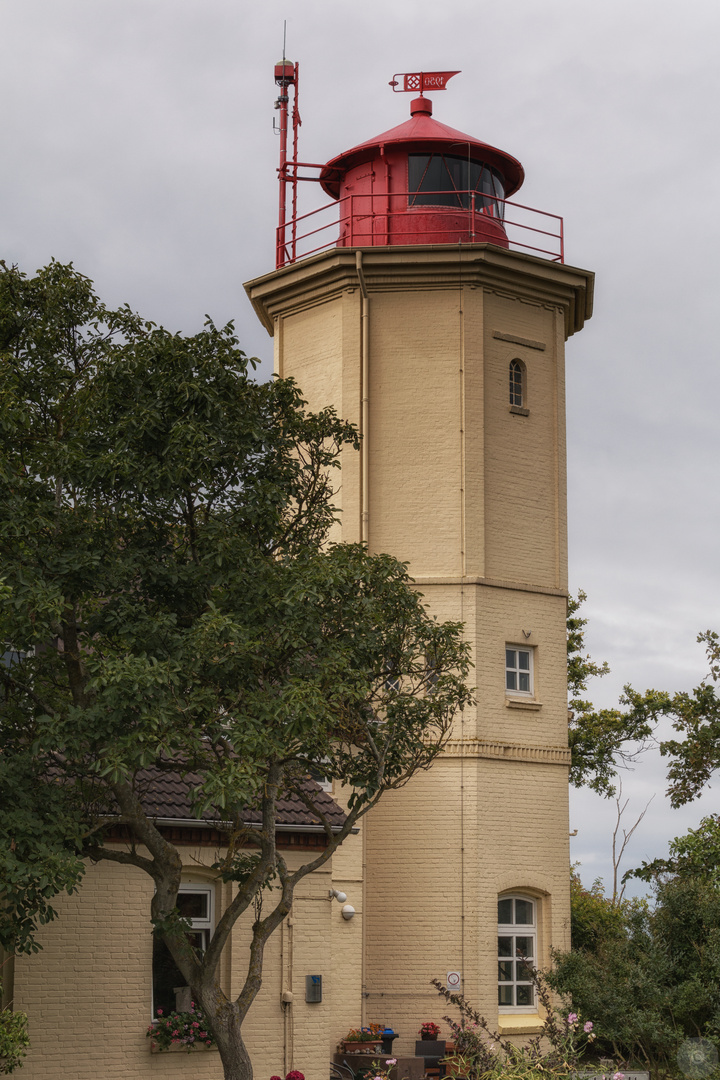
point(482, 1054)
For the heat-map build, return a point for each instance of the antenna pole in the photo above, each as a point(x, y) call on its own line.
point(285, 76)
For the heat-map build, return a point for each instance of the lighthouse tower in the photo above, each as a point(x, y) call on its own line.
point(433, 314)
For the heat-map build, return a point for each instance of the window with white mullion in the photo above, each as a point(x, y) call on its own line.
point(517, 938)
point(518, 671)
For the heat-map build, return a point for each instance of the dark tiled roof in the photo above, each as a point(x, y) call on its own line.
point(166, 796)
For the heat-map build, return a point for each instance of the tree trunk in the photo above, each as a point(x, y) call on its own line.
point(226, 1028)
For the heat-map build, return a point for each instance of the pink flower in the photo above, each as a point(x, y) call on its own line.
point(619, 1076)
point(391, 1061)
point(588, 1026)
point(572, 1018)
point(159, 1012)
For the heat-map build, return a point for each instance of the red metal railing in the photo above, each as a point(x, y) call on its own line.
point(383, 219)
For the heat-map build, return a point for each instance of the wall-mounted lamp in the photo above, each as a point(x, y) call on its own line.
point(348, 911)
point(335, 894)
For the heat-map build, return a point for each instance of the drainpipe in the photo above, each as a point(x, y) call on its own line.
point(364, 405)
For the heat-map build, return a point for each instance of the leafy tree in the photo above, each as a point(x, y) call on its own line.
point(594, 918)
point(599, 739)
point(171, 601)
point(694, 757)
point(693, 856)
point(647, 976)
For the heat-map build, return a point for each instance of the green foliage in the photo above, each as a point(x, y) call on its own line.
point(14, 1039)
point(594, 918)
point(649, 975)
point(482, 1054)
point(694, 855)
point(695, 755)
point(40, 841)
point(598, 739)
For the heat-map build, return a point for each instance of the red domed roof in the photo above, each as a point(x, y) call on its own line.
point(422, 133)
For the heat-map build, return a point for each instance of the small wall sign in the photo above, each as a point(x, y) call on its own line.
point(453, 980)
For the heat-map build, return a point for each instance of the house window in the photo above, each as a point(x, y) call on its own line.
point(517, 381)
point(195, 903)
point(518, 671)
point(517, 938)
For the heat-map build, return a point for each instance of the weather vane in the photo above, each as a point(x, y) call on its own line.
point(419, 81)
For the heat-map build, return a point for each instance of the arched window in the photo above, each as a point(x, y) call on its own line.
point(517, 943)
point(517, 383)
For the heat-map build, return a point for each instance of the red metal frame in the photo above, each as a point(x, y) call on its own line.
point(525, 226)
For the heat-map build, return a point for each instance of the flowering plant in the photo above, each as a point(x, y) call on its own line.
point(429, 1029)
point(380, 1070)
point(371, 1033)
point(294, 1074)
point(180, 1029)
point(482, 1054)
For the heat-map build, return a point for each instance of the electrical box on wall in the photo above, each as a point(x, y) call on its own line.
point(313, 987)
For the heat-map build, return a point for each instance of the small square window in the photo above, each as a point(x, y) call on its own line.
point(518, 671)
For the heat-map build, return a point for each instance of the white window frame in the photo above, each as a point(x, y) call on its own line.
point(508, 964)
point(205, 926)
point(515, 671)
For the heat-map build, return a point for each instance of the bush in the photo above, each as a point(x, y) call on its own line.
point(482, 1054)
point(649, 975)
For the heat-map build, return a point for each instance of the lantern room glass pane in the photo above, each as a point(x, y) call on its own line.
point(449, 180)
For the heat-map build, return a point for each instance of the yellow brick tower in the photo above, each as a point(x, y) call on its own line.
point(436, 320)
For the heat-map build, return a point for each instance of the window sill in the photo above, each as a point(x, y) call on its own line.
point(519, 410)
point(519, 1024)
point(523, 703)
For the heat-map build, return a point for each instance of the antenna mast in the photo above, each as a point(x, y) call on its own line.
point(286, 75)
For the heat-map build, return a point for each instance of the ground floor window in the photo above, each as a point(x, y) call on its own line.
point(195, 903)
point(517, 938)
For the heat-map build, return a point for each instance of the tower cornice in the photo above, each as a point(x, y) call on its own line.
point(525, 277)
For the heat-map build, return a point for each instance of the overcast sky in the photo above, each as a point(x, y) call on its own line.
point(138, 142)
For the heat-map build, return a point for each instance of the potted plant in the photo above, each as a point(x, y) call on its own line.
point(429, 1031)
point(366, 1040)
point(179, 1030)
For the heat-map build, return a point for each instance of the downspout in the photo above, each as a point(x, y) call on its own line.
point(364, 405)
point(364, 538)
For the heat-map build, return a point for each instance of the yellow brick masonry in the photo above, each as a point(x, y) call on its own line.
point(474, 497)
point(88, 993)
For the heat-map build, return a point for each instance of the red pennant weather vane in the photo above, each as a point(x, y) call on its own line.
point(419, 81)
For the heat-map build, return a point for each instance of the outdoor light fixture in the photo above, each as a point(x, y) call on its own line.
point(348, 911)
point(335, 894)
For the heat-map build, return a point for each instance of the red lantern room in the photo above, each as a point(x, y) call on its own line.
point(422, 182)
